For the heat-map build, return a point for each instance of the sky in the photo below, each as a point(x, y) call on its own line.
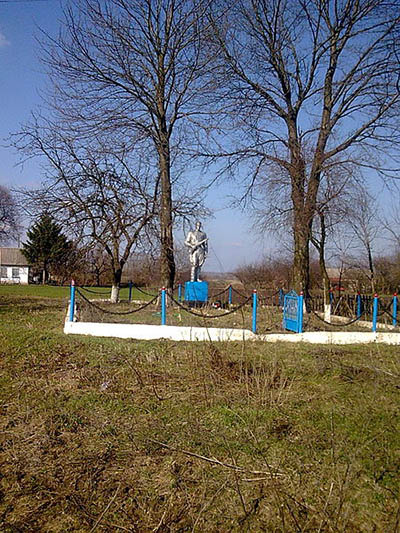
point(22, 80)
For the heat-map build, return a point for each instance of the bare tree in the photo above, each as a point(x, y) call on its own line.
point(135, 71)
point(97, 262)
point(334, 205)
point(268, 273)
point(390, 220)
point(9, 228)
point(313, 86)
point(363, 222)
point(98, 199)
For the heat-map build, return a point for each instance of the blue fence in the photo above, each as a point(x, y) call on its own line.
point(378, 311)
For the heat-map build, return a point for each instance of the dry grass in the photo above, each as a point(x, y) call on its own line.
point(113, 435)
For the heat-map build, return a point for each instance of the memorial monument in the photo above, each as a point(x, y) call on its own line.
point(196, 290)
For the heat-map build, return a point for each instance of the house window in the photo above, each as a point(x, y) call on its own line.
point(3, 272)
point(15, 272)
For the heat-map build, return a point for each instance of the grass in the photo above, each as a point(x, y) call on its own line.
point(118, 435)
point(49, 291)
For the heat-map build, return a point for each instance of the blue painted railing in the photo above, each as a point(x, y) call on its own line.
point(254, 321)
point(163, 307)
point(72, 302)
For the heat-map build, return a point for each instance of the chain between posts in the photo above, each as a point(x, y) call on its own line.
point(142, 291)
point(202, 315)
point(388, 313)
point(335, 325)
point(105, 311)
point(94, 292)
point(239, 293)
point(221, 292)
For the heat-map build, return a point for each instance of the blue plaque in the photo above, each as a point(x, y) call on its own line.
point(196, 291)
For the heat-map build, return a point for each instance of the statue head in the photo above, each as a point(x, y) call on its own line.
point(198, 225)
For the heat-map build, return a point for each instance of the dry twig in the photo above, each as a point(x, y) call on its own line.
point(217, 462)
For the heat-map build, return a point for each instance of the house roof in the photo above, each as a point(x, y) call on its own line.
point(12, 257)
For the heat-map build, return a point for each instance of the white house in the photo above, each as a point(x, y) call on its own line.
point(14, 267)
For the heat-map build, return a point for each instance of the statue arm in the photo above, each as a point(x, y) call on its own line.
point(188, 240)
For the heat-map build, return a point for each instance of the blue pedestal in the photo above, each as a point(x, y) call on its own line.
point(196, 291)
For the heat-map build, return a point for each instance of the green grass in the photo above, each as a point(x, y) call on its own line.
point(34, 291)
point(117, 435)
point(50, 291)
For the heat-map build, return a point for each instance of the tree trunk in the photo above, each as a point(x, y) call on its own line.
point(301, 259)
point(167, 241)
point(44, 274)
point(116, 285)
point(97, 274)
point(302, 215)
point(371, 268)
point(324, 273)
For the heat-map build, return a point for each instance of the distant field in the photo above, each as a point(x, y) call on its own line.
point(112, 435)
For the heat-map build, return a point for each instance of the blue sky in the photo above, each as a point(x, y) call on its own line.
point(21, 81)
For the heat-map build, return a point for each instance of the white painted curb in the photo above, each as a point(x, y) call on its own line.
point(334, 337)
point(149, 332)
point(187, 333)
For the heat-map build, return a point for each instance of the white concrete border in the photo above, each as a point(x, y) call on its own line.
point(334, 337)
point(187, 333)
point(149, 332)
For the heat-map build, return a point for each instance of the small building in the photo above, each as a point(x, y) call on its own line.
point(14, 267)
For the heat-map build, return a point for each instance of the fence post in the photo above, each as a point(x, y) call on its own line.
point(395, 309)
point(281, 299)
point(230, 295)
point(254, 325)
point(179, 292)
point(72, 302)
point(375, 312)
point(358, 305)
point(130, 291)
point(300, 305)
point(163, 307)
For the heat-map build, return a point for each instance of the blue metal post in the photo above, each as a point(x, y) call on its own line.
point(300, 304)
point(375, 312)
point(130, 291)
point(230, 295)
point(179, 292)
point(358, 305)
point(163, 307)
point(254, 326)
point(72, 302)
point(395, 309)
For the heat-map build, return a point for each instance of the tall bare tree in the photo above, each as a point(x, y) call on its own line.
point(136, 71)
point(312, 85)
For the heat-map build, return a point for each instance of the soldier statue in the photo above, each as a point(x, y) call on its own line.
point(197, 242)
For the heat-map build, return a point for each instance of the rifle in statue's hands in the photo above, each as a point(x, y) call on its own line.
point(194, 248)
